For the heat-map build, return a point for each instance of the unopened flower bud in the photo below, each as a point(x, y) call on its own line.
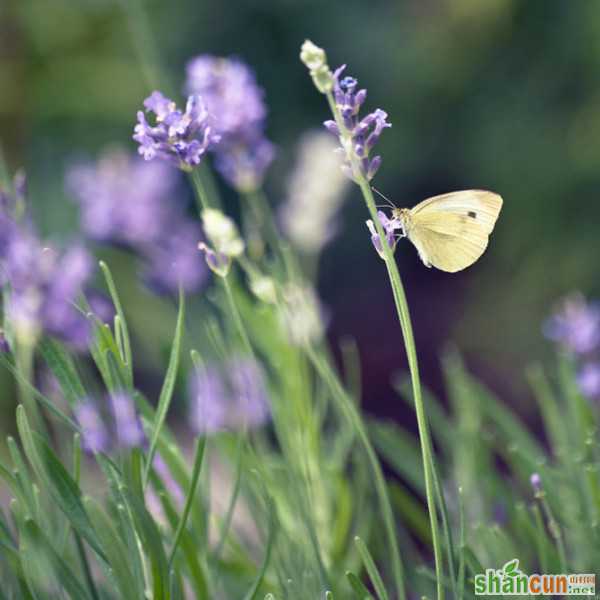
point(316, 61)
point(263, 288)
point(222, 232)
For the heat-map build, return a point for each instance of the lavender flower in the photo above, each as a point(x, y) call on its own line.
point(124, 199)
point(235, 104)
point(173, 260)
point(44, 286)
point(249, 391)
point(94, 436)
point(588, 380)
point(536, 482)
point(315, 193)
point(182, 138)
point(128, 201)
point(127, 423)
point(209, 401)
point(234, 399)
point(359, 136)
point(389, 226)
point(576, 325)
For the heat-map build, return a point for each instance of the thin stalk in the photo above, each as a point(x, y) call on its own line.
point(554, 529)
point(411, 352)
point(87, 572)
point(348, 408)
point(202, 196)
point(237, 317)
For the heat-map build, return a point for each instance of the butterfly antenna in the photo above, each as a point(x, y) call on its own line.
point(390, 204)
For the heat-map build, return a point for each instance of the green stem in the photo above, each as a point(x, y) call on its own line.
point(411, 352)
point(348, 408)
point(237, 317)
point(202, 197)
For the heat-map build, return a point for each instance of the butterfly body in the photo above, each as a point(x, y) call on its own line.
point(451, 231)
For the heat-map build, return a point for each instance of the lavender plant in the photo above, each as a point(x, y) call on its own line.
point(271, 485)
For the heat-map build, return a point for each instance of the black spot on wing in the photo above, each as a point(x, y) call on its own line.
point(472, 214)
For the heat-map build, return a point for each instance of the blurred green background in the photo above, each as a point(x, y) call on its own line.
point(496, 94)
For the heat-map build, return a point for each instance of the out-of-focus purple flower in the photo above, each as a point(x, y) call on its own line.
point(209, 401)
point(249, 391)
point(182, 138)
point(174, 260)
point(576, 325)
point(94, 436)
point(235, 105)
point(44, 286)
point(230, 92)
point(389, 226)
point(100, 306)
point(124, 199)
point(127, 422)
point(128, 201)
point(588, 380)
point(234, 398)
point(360, 135)
point(536, 482)
point(244, 162)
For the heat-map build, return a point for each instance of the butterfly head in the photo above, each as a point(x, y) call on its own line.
point(403, 216)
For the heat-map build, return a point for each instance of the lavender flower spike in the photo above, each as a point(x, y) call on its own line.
point(359, 136)
point(389, 226)
point(237, 109)
point(576, 325)
point(182, 138)
point(588, 380)
point(249, 392)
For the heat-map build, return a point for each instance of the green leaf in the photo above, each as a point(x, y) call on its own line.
point(358, 586)
point(119, 558)
point(63, 368)
point(120, 323)
point(273, 523)
point(56, 478)
point(512, 567)
point(168, 386)
point(198, 457)
point(64, 575)
point(371, 568)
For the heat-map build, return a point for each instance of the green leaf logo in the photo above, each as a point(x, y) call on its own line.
point(511, 568)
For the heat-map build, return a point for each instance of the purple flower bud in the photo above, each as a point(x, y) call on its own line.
point(389, 226)
point(373, 167)
point(332, 127)
point(536, 482)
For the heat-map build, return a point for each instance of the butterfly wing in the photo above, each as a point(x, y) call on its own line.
point(451, 231)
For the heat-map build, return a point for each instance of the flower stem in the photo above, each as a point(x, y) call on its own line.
point(348, 408)
point(202, 199)
point(411, 352)
point(237, 317)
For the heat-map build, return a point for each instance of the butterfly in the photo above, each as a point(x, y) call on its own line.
point(450, 231)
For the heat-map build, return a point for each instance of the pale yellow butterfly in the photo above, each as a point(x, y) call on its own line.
point(451, 231)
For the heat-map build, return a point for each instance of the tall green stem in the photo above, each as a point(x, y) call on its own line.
point(411, 352)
